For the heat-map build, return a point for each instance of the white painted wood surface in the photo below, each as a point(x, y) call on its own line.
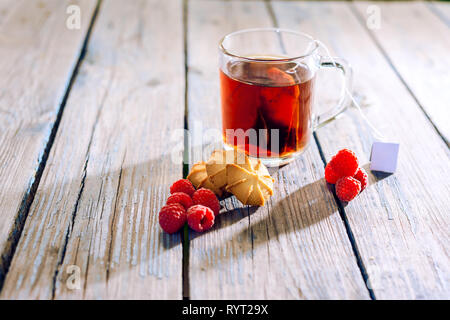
point(110, 167)
point(418, 46)
point(400, 222)
point(36, 64)
point(295, 247)
point(441, 9)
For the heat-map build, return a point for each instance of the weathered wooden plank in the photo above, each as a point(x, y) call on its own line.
point(417, 44)
point(37, 57)
point(110, 167)
point(294, 248)
point(400, 222)
point(6, 8)
point(442, 9)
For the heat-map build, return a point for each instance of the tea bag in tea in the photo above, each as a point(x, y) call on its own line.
point(280, 99)
point(288, 107)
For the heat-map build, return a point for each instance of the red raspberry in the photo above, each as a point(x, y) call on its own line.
point(344, 163)
point(208, 199)
point(182, 185)
point(330, 175)
point(347, 188)
point(361, 176)
point(172, 217)
point(181, 198)
point(200, 218)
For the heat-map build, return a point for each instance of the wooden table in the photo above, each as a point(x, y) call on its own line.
point(90, 117)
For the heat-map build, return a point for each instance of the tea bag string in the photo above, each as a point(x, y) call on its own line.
point(377, 134)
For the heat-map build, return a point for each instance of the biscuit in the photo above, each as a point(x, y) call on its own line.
point(217, 165)
point(200, 179)
point(229, 171)
point(251, 186)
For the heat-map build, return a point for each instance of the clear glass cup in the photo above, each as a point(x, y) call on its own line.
point(267, 84)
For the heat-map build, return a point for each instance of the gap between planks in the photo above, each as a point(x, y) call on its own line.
point(360, 19)
point(83, 180)
point(28, 198)
point(246, 224)
point(342, 213)
point(348, 228)
point(436, 7)
point(360, 226)
point(185, 238)
point(133, 174)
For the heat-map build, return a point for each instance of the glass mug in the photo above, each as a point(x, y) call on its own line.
point(267, 90)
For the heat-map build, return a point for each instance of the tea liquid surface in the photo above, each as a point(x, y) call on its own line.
point(259, 95)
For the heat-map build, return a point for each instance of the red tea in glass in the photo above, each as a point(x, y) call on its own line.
point(267, 89)
point(265, 97)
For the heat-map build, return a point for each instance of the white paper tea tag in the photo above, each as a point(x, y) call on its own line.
point(384, 156)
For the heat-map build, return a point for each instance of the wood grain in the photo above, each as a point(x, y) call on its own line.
point(6, 8)
point(400, 222)
point(118, 149)
point(37, 57)
point(294, 248)
point(417, 44)
point(110, 167)
point(441, 9)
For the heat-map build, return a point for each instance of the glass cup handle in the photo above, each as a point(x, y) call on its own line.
point(341, 64)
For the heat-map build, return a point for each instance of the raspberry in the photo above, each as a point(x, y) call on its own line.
point(330, 175)
point(208, 199)
point(361, 176)
point(344, 163)
point(347, 188)
point(181, 198)
point(182, 185)
point(200, 218)
point(172, 217)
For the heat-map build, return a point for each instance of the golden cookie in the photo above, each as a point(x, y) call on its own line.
point(200, 179)
point(216, 167)
point(252, 186)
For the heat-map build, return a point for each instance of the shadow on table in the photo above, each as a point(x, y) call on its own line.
point(232, 211)
point(378, 175)
point(298, 210)
point(104, 225)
